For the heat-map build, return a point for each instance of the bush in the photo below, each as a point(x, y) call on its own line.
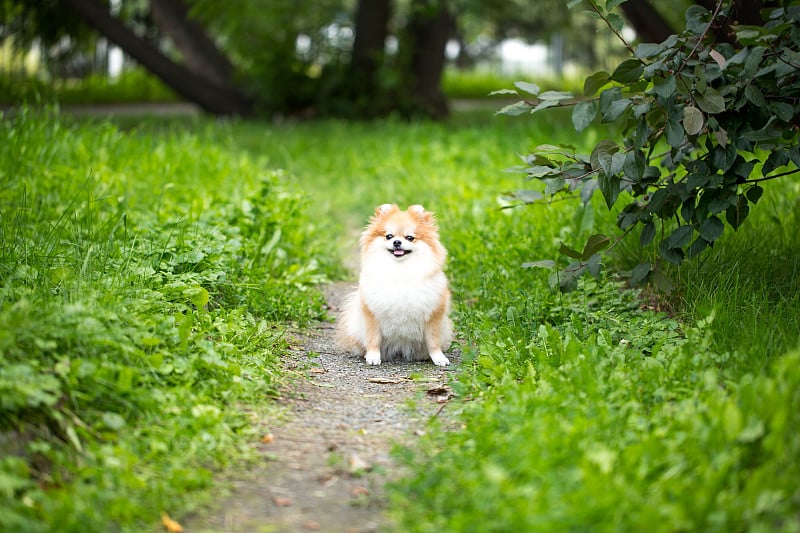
point(706, 124)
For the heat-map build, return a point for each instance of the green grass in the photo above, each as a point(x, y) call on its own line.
point(130, 87)
point(575, 412)
point(146, 283)
point(139, 86)
point(477, 84)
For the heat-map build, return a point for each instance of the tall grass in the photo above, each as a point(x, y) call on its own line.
point(145, 282)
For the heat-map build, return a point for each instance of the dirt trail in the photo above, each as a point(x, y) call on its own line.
point(328, 462)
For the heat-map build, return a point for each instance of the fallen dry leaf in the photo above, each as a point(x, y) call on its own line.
point(440, 394)
point(268, 438)
point(359, 491)
point(170, 525)
point(387, 381)
point(282, 501)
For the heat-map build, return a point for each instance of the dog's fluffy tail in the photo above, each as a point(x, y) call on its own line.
point(347, 326)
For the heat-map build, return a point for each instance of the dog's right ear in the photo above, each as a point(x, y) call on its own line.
point(385, 209)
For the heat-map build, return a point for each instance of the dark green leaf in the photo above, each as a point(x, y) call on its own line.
point(680, 237)
point(662, 282)
point(648, 233)
point(665, 87)
point(721, 200)
point(736, 213)
point(554, 185)
point(794, 155)
point(723, 157)
point(742, 168)
point(674, 133)
point(593, 265)
point(688, 209)
point(634, 166)
point(782, 110)
point(567, 281)
point(697, 246)
point(544, 104)
point(539, 171)
point(755, 96)
point(754, 194)
point(583, 114)
point(710, 101)
point(645, 50)
point(643, 132)
point(594, 82)
point(696, 19)
point(615, 21)
point(711, 229)
point(628, 71)
point(776, 159)
point(609, 186)
point(672, 255)
point(615, 109)
point(595, 243)
point(602, 148)
point(640, 273)
point(753, 61)
point(569, 252)
point(695, 181)
point(657, 201)
point(609, 96)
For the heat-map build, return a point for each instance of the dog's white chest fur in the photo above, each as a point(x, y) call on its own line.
point(402, 295)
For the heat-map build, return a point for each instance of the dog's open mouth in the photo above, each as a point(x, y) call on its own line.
point(399, 252)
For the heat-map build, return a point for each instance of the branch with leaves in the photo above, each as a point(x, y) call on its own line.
point(704, 124)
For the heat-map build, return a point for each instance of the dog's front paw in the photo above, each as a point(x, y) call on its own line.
point(439, 358)
point(373, 358)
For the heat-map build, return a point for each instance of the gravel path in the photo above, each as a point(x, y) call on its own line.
point(326, 465)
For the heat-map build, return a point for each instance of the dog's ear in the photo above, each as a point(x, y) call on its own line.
point(385, 209)
point(419, 212)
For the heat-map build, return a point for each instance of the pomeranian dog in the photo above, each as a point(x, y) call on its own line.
point(401, 306)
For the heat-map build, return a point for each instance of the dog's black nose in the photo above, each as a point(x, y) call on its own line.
point(397, 243)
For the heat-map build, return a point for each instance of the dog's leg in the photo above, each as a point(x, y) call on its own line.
point(372, 337)
point(433, 336)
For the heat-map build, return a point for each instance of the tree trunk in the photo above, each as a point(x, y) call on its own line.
point(422, 56)
point(647, 22)
point(199, 52)
point(210, 96)
point(372, 28)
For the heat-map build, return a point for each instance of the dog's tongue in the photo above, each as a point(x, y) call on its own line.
point(399, 253)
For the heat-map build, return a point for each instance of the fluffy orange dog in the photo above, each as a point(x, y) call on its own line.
point(401, 306)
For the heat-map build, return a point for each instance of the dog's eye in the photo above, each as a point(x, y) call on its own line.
point(389, 236)
point(410, 238)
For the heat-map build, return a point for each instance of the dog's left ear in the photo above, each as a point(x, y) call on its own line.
point(419, 212)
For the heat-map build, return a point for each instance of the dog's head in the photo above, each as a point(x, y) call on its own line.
point(402, 234)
